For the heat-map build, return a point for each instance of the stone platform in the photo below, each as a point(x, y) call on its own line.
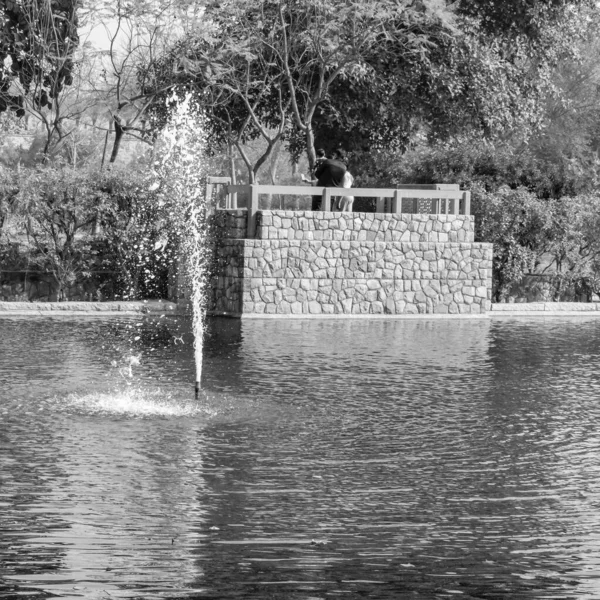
point(325, 263)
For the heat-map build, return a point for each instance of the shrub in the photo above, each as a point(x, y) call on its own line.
point(8, 192)
point(86, 225)
point(136, 238)
point(57, 208)
point(557, 238)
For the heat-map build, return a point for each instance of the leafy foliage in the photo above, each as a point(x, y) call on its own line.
point(520, 18)
point(467, 163)
point(57, 215)
point(557, 237)
point(516, 222)
point(135, 239)
point(369, 76)
point(37, 42)
point(89, 225)
point(272, 66)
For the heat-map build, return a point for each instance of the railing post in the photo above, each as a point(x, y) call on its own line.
point(326, 200)
point(380, 205)
point(252, 209)
point(208, 197)
point(396, 203)
point(467, 203)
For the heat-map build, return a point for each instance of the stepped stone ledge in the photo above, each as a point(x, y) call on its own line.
point(327, 263)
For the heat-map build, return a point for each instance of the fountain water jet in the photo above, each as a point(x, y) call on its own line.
point(181, 171)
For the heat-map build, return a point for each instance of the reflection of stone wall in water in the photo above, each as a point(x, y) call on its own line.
point(352, 263)
point(421, 344)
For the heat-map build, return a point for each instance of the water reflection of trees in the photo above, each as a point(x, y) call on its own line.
point(542, 416)
point(29, 475)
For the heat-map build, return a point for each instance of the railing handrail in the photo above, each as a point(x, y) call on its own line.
point(303, 190)
point(449, 192)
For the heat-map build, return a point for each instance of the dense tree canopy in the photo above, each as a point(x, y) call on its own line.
point(366, 75)
point(490, 77)
point(359, 75)
point(272, 64)
point(512, 18)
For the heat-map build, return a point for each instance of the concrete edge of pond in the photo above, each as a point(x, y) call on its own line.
point(546, 309)
point(100, 309)
point(322, 317)
point(161, 307)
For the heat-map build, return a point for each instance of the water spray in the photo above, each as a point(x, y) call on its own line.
point(181, 170)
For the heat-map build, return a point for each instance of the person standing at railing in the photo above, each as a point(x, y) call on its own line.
point(320, 158)
point(329, 173)
point(345, 202)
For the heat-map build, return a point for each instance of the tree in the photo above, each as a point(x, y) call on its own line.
point(370, 76)
point(37, 48)
point(318, 46)
point(571, 135)
point(138, 36)
point(491, 78)
point(269, 66)
point(88, 226)
point(239, 91)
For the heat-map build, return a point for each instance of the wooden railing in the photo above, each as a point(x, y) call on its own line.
point(446, 198)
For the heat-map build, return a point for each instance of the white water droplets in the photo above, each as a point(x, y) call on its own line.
point(130, 403)
point(181, 172)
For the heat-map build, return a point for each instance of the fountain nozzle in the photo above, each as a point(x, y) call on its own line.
point(197, 389)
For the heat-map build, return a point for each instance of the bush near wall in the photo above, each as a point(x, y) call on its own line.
point(96, 233)
point(555, 239)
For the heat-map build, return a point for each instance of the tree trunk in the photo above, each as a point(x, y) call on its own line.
point(273, 168)
point(119, 131)
point(109, 131)
point(232, 173)
point(310, 147)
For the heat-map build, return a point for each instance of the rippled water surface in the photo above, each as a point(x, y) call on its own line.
point(352, 459)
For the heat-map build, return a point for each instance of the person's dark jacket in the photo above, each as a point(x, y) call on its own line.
point(330, 173)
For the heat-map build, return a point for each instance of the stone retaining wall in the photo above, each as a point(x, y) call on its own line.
point(354, 263)
point(230, 224)
point(363, 227)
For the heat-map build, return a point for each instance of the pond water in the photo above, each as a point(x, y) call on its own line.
point(325, 459)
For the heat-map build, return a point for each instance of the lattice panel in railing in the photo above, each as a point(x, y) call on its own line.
point(417, 205)
point(423, 206)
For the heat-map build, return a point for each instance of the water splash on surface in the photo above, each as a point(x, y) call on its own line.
point(130, 403)
point(125, 366)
